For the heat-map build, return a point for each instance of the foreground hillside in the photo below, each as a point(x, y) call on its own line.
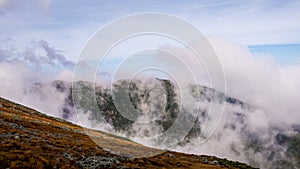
point(253, 139)
point(30, 139)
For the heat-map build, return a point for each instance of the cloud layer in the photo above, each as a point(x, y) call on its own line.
point(260, 81)
point(22, 71)
point(255, 79)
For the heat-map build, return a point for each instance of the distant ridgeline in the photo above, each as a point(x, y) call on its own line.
point(157, 102)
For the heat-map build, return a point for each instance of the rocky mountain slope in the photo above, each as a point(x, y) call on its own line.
point(30, 139)
point(243, 134)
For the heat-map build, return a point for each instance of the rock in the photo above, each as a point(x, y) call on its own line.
point(171, 155)
point(97, 162)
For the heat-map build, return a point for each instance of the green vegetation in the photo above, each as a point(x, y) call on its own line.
point(128, 96)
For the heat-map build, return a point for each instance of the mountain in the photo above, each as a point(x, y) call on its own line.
point(30, 139)
point(243, 134)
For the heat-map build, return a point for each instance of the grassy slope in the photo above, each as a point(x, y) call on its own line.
point(30, 139)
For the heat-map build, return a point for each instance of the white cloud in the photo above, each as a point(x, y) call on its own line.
point(259, 80)
point(19, 70)
point(253, 78)
point(4, 3)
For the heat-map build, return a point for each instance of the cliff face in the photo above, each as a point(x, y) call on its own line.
point(30, 139)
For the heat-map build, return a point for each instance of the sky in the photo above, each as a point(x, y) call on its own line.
point(258, 44)
point(267, 26)
point(285, 54)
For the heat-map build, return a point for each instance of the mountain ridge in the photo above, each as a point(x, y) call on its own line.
point(243, 133)
point(30, 139)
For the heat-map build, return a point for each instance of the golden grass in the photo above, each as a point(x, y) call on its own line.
point(30, 139)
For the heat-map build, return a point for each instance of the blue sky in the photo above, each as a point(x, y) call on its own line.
point(68, 24)
point(283, 53)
